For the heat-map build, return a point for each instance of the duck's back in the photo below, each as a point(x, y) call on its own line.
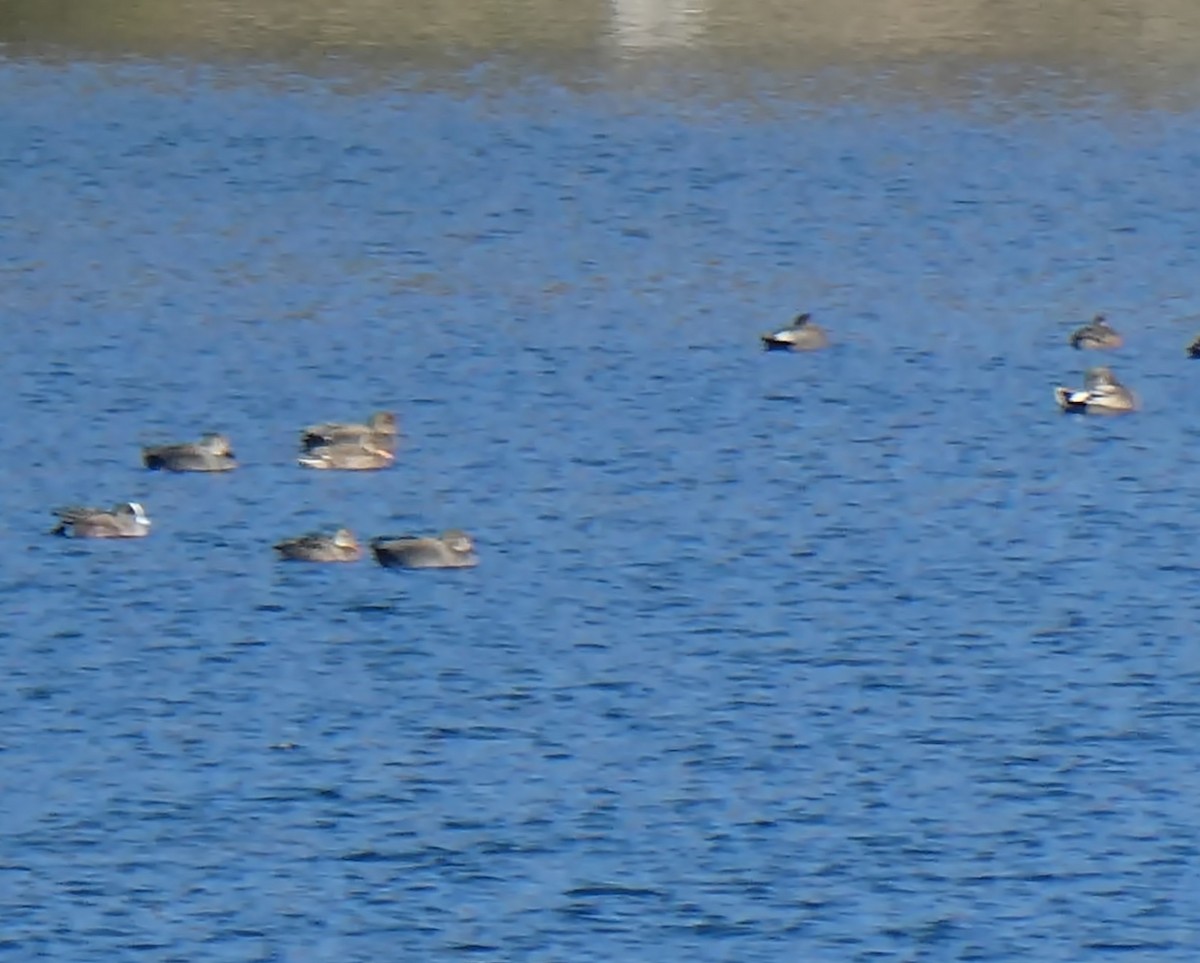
point(412, 552)
point(185, 458)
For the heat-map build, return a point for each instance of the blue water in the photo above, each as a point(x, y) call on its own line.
point(861, 655)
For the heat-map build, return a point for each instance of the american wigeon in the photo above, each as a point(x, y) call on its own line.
point(800, 335)
point(451, 549)
point(347, 457)
point(127, 520)
point(212, 452)
point(341, 546)
point(1097, 334)
point(379, 431)
point(1102, 394)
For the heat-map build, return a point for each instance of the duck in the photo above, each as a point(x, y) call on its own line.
point(452, 549)
point(380, 431)
point(801, 335)
point(1102, 394)
point(340, 546)
point(126, 520)
point(1097, 334)
point(1193, 349)
point(213, 452)
point(347, 456)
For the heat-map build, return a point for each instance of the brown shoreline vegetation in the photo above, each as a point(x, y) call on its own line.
point(1158, 34)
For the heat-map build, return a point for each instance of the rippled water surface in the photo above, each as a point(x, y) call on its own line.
point(860, 655)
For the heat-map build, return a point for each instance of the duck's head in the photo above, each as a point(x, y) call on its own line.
point(217, 444)
point(1099, 375)
point(135, 511)
point(458, 541)
point(383, 422)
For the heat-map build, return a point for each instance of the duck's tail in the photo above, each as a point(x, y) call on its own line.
point(1070, 400)
point(313, 459)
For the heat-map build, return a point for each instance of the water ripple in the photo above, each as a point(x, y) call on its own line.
point(865, 654)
